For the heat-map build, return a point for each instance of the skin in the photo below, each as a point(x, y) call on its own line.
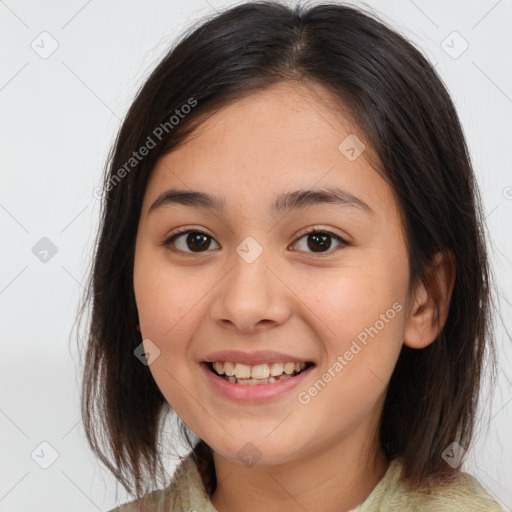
point(323, 455)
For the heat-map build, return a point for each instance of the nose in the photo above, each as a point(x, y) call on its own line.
point(252, 297)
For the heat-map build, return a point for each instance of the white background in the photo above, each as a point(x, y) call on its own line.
point(59, 117)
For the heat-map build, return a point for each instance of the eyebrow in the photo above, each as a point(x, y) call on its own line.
point(283, 203)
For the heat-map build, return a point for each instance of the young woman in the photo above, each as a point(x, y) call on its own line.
point(291, 259)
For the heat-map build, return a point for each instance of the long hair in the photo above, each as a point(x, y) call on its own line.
point(400, 104)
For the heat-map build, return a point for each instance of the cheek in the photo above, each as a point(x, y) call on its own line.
point(360, 318)
point(358, 312)
point(355, 297)
point(166, 302)
point(161, 304)
point(165, 296)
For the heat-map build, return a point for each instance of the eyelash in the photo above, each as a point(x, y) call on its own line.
point(168, 242)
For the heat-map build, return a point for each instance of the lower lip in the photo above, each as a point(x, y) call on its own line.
point(253, 392)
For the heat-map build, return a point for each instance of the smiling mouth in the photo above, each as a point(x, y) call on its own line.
point(266, 373)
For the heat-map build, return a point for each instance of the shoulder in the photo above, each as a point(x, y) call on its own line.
point(152, 502)
point(460, 493)
point(185, 492)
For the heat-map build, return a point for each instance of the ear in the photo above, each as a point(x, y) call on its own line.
point(431, 302)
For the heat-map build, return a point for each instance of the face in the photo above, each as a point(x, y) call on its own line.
point(268, 280)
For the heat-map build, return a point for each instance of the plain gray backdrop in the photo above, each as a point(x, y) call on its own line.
point(69, 71)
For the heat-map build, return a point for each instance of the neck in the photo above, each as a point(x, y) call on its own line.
point(336, 478)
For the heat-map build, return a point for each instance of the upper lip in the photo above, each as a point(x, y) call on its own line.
point(252, 358)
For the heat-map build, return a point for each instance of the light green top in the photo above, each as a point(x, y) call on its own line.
point(186, 493)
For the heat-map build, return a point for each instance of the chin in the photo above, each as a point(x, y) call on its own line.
point(257, 450)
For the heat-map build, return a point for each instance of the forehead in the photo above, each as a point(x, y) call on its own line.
point(287, 137)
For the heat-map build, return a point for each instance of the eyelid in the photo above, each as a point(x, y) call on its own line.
point(186, 229)
point(169, 239)
point(319, 228)
point(306, 231)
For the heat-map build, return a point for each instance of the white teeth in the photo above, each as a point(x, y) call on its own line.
point(218, 367)
point(289, 368)
point(252, 382)
point(229, 368)
point(242, 371)
point(260, 371)
point(257, 374)
point(276, 369)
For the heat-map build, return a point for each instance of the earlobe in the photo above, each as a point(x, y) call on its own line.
point(431, 302)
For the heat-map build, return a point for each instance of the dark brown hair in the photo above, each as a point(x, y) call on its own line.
point(408, 120)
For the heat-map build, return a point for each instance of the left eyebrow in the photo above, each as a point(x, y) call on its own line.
point(304, 198)
point(283, 203)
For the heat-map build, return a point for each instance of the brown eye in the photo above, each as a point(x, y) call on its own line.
point(319, 241)
point(189, 241)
